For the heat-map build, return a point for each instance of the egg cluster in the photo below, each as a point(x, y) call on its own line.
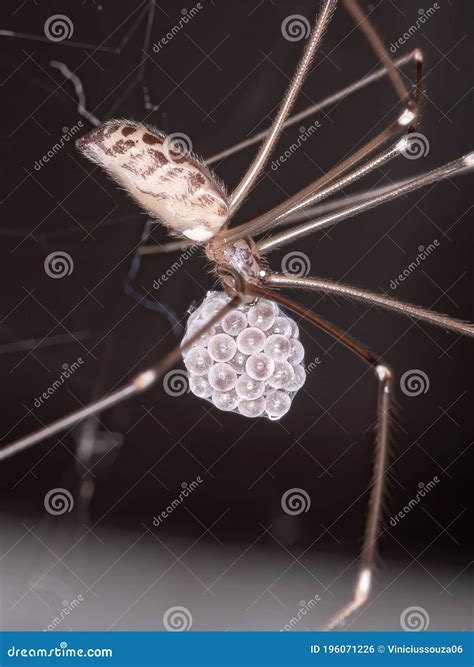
point(250, 362)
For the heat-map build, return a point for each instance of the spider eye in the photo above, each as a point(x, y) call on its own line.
point(161, 174)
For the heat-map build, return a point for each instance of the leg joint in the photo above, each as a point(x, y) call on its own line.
point(363, 586)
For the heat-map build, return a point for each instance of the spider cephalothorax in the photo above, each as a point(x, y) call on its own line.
point(237, 258)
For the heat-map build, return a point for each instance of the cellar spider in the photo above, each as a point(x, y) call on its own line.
point(178, 189)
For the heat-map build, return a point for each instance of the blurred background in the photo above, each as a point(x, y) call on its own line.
point(78, 510)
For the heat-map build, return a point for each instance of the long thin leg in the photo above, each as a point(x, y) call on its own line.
point(165, 248)
point(298, 216)
point(314, 108)
point(140, 383)
point(463, 164)
point(377, 44)
point(384, 378)
point(328, 286)
point(300, 212)
point(305, 214)
point(315, 191)
point(258, 225)
point(340, 203)
point(408, 119)
point(246, 183)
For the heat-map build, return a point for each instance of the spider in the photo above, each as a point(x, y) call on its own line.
point(178, 189)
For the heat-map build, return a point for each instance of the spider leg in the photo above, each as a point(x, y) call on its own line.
point(258, 163)
point(386, 302)
point(378, 46)
point(410, 101)
point(461, 165)
point(310, 195)
point(315, 191)
point(139, 384)
point(318, 106)
point(407, 119)
point(341, 202)
point(292, 207)
point(165, 248)
point(384, 378)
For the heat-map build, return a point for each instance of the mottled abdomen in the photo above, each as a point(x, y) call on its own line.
point(169, 183)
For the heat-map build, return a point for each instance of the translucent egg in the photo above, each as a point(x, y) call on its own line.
point(269, 390)
point(277, 346)
point(194, 315)
point(238, 362)
point(200, 386)
point(198, 361)
point(222, 377)
point(234, 322)
point(252, 408)
point(225, 400)
point(250, 361)
point(260, 366)
point(251, 340)
point(299, 379)
point(276, 308)
point(295, 332)
point(248, 388)
point(282, 325)
point(297, 352)
point(277, 404)
point(222, 347)
point(282, 376)
point(204, 338)
point(262, 315)
point(212, 306)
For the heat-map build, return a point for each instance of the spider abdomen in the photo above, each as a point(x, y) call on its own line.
point(161, 175)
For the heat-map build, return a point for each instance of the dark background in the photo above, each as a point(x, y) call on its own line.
point(219, 81)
